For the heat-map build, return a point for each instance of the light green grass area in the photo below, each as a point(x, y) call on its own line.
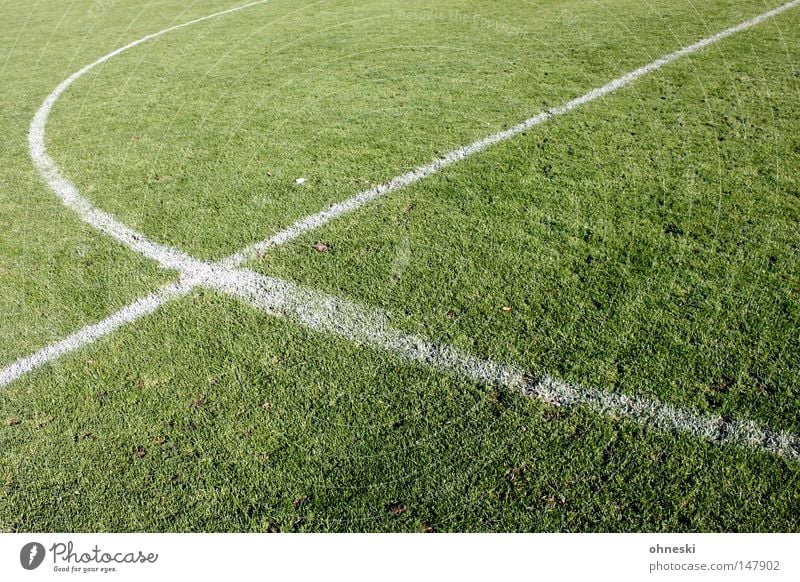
point(646, 244)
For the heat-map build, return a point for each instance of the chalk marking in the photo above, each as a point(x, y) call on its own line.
point(89, 334)
point(166, 256)
point(321, 218)
point(172, 258)
point(368, 326)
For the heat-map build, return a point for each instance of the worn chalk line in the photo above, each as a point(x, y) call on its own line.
point(164, 255)
point(368, 326)
point(328, 314)
point(89, 334)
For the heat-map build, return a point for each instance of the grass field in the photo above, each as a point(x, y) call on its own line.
point(645, 244)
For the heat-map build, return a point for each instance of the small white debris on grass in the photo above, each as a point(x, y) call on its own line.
point(300, 181)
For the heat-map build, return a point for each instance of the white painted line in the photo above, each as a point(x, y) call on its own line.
point(316, 220)
point(166, 256)
point(368, 326)
point(91, 333)
point(171, 258)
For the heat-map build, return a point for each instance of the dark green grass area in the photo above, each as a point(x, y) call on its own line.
point(218, 418)
point(646, 244)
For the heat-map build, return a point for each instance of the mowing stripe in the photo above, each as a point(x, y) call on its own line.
point(368, 326)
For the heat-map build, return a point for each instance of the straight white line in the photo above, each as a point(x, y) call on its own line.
point(316, 220)
point(368, 326)
point(89, 334)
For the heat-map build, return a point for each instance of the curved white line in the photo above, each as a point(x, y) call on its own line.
point(166, 256)
point(172, 258)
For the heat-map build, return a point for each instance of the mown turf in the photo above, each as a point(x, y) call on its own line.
point(647, 243)
point(57, 274)
point(237, 421)
point(206, 129)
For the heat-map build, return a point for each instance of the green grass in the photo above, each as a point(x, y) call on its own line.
point(647, 243)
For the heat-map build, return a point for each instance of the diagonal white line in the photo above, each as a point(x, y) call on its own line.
point(91, 333)
point(368, 326)
point(316, 220)
point(173, 258)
